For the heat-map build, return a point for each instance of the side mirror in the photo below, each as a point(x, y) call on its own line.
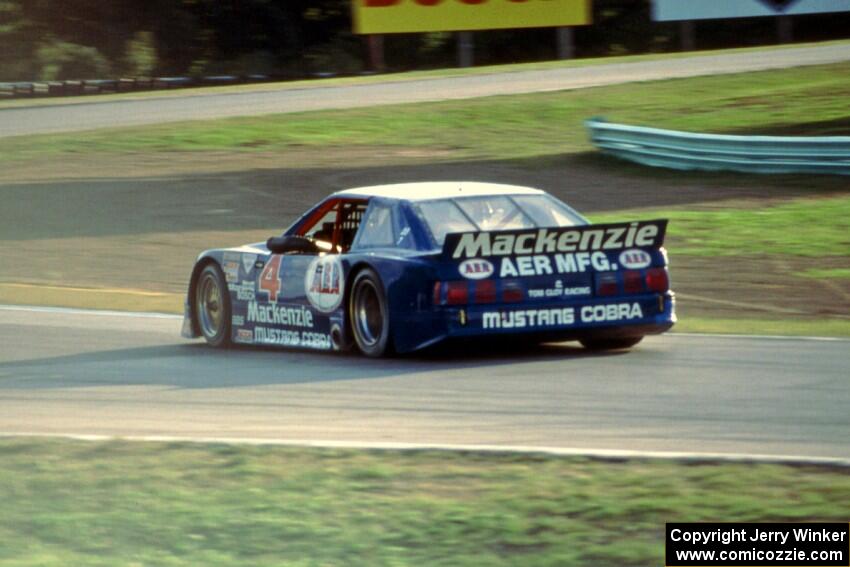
point(292, 245)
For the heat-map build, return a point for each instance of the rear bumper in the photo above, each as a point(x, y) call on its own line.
point(632, 316)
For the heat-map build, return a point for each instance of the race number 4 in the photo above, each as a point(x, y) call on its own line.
point(270, 278)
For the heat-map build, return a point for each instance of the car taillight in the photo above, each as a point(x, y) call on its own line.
point(512, 292)
point(657, 280)
point(481, 291)
point(632, 281)
point(457, 293)
point(606, 284)
point(485, 291)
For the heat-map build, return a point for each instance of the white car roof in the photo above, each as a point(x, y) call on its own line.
point(438, 190)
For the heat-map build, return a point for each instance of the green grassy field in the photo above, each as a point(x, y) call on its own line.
point(404, 76)
point(827, 273)
point(824, 327)
point(503, 127)
point(803, 227)
point(131, 504)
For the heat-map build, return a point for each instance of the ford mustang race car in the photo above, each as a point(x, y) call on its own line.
point(403, 267)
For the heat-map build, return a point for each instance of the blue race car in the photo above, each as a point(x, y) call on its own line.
point(397, 268)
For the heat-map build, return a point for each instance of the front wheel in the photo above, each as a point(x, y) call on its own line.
point(617, 343)
point(369, 314)
point(212, 306)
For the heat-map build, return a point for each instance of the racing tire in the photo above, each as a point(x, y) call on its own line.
point(212, 306)
point(610, 343)
point(369, 315)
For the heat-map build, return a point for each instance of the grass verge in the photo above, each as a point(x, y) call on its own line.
point(113, 503)
point(826, 273)
point(837, 328)
point(802, 227)
point(503, 127)
point(405, 76)
point(91, 298)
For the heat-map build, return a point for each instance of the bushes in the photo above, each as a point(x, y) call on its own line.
point(59, 60)
point(342, 55)
point(140, 55)
point(77, 39)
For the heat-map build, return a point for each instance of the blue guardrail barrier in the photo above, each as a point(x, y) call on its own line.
point(715, 152)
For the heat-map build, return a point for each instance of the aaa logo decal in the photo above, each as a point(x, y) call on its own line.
point(635, 259)
point(476, 269)
point(324, 284)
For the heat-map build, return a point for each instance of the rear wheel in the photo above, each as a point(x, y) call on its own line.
point(617, 343)
point(369, 314)
point(212, 306)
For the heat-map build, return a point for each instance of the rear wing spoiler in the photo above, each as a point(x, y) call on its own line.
point(611, 237)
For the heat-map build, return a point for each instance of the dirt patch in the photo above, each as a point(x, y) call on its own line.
point(172, 164)
point(758, 287)
point(138, 222)
point(837, 127)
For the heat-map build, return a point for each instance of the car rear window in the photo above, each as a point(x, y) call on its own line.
point(491, 213)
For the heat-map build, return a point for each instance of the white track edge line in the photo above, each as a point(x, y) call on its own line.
point(765, 337)
point(79, 311)
point(605, 454)
point(154, 315)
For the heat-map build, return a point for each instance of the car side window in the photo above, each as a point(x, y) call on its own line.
point(376, 229)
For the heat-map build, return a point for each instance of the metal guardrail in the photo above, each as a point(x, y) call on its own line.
point(714, 152)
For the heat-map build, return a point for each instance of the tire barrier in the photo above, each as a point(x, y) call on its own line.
point(123, 85)
point(714, 152)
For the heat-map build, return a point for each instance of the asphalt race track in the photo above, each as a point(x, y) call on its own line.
point(91, 115)
point(101, 374)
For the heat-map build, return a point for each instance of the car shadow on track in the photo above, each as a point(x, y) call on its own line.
point(196, 365)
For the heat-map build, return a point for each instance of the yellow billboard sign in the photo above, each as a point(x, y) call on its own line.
point(409, 16)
